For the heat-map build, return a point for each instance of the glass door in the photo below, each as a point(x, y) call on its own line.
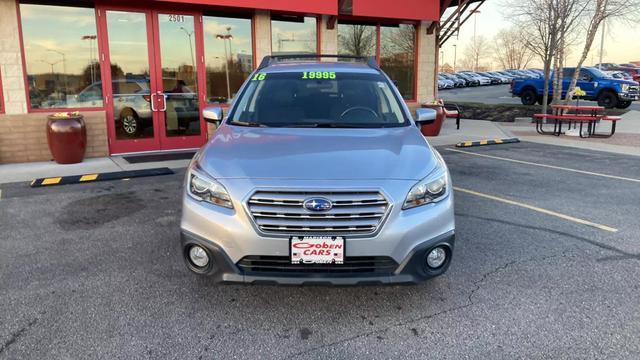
point(131, 117)
point(179, 71)
point(152, 76)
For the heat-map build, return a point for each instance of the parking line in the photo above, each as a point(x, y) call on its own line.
point(540, 210)
point(545, 165)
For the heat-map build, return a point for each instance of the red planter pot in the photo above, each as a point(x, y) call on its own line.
point(434, 128)
point(67, 138)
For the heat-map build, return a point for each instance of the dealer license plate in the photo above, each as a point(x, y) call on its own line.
point(317, 250)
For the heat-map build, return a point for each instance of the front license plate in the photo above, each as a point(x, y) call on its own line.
point(317, 250)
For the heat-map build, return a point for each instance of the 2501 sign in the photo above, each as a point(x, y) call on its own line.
point(176, 18)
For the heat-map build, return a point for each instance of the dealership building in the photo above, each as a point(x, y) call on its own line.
point(140, 72)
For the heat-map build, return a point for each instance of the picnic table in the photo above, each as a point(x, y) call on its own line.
point(581, 115)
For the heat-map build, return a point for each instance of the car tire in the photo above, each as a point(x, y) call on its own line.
point(608, 99)
point(623, 104)
point(130, 123)
point(529, 97)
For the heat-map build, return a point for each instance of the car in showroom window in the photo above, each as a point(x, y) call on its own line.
point(319, 174)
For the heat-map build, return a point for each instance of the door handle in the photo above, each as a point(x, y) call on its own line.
point(153, 101)
point(164, 102)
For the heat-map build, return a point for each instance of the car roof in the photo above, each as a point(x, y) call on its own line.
point(337, 66)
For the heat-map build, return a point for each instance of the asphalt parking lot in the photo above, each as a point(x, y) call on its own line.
point(495, 94)
point(546, 265)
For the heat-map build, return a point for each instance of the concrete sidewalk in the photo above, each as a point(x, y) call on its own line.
point(626, 140)
point(470, 130)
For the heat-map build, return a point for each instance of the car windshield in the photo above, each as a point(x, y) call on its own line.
point(318, 99)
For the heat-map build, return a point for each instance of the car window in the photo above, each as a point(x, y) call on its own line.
point(318, 99)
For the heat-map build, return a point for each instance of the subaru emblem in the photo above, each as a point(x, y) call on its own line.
point(318, 204)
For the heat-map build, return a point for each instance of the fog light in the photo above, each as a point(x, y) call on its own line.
point(436, 257)
point(198, 256)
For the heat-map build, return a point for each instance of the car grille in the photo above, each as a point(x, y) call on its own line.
point(634, 90)
point(283, 212)
point(376, 265)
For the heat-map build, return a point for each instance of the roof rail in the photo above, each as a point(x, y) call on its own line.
point(271, 59)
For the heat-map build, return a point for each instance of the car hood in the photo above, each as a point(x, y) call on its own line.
point(321, 154)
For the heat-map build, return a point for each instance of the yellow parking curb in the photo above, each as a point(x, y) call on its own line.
point(87, 178)
point(487, 142)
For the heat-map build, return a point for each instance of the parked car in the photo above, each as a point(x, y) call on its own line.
point(503, 79)
point(605, 66)
point(619, 75)
point(495, 79)
point(481, 79)
point(471, 81)
point(132, 106)
point(306, 182)
point(446, 83)
point(457, 82)
point(607, 91)
point(634, 72)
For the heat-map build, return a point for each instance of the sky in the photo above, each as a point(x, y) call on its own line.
point(621, 43)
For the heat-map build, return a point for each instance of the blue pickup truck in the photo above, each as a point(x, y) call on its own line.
point(600, 87)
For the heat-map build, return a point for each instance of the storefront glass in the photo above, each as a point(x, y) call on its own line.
point(179, 74)
point(357, 39)
point(397, 56)
point(228, 52)
point(61, 54)
point(293, 35)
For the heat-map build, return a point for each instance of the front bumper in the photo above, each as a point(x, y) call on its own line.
point(411, 270)
point(629, 96)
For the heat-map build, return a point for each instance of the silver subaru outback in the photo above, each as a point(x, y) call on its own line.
point(318, 174)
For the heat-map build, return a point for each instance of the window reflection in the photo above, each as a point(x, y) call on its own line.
point(397, 56)
point(179, 75)
point(61, 52)
point(130, 81)
point(229, 56)
point(357, 39)
point(293, 35)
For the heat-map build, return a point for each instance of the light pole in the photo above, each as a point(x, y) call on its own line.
point(189, 33)
point(224, 39)
point(64, 69)
point(90, 38)
point(50, 64)
point(601, 46)
point(475, 42)
point(455, 53)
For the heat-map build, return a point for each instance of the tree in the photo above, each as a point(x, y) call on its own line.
point(475, 52)
point(510, 50)
point(598, 11)
point(359, 40)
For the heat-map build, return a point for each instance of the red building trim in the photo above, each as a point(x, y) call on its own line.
point(324, 7)
point(1, 98)
point(398, 9)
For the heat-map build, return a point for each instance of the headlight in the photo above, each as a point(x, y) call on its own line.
point(625, 87)
point(204, 188)
point(433, 188)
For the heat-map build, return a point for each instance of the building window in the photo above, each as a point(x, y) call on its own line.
point(61, 55)
point(396, 52)
point(293, 35)
point(397, 56)
point(228, 51)
point(357, 39)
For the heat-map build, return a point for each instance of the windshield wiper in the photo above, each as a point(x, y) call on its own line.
point(248, 123)
point(330, 125)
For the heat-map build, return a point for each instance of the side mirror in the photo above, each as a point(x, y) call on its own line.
point(425, 116)
point(213, 115)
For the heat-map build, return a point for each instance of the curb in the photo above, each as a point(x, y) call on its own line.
point(77, 179)
point(488, 142)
